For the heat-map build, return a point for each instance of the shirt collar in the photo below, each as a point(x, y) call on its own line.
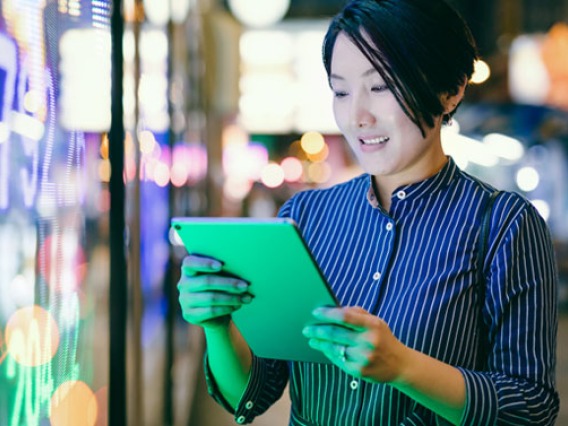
point(415, 190)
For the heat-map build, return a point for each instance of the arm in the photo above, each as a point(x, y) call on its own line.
point(243, 384)
point(521, 314)
point(229, 360)
point(207, 299)
point(374, 354)
point(433, 384)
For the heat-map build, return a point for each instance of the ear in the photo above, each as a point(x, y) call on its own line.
point(450, 101)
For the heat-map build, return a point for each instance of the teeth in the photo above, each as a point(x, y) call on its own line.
point(375, 141)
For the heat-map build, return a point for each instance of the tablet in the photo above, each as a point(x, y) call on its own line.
point(284, 279)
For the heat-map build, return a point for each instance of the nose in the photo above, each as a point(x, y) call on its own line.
point(361, 113)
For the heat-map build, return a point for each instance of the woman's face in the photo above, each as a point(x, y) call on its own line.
point(385, 141)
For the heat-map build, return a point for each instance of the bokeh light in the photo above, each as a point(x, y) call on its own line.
point(504, 146)
point(542, 207)
point(179, 174)
point(528, 178)
point(272, 175)
point(147, 142)
point(104, 170)
point(161, 174)
point(259, 13)
point(312, 142)
point(32, 101)
point(319, 172)
point(320, 156)
point(104, 149)
point(22, 290)
point(32, 336)
point(481, 72)
point(102, 406)
point(236, 188)
point(62, 262)
point(245, 161)
point(293, 169)
point(73, 404)
point(234, 134)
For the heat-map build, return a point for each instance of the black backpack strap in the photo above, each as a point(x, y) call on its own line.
point(483, 247)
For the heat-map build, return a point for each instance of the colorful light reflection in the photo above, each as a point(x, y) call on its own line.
point(73, 404)
point(32, 336)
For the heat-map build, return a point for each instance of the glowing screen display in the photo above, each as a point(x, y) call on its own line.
point(54, 108)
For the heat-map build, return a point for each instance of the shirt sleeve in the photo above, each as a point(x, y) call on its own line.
point(266, 384)
point(518, 386)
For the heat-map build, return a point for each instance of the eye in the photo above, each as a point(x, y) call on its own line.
point(379, 88)
point(339, 94)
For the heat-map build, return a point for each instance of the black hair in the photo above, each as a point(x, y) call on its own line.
point(421, 48)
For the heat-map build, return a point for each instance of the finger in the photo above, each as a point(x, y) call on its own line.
point(213, 299)
point(341, 316)
point(200, 263)
point(352, 357)
point(212, 282)
point(354, 317)
point(332, 333)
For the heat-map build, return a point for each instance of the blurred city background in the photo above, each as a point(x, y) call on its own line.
point(117, 116)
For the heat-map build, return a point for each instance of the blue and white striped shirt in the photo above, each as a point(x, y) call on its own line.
point(416, 268)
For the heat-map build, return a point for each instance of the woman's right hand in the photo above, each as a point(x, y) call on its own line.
point(208, 296)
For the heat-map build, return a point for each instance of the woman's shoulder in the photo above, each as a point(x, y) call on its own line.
point(322, 198)
point(505, 198)
point(350, 187)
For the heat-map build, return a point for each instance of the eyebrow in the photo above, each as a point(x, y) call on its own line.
point(365, 74)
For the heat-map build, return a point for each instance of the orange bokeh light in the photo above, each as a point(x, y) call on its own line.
point(102, 403)
point(32, 336)
point(73, 404)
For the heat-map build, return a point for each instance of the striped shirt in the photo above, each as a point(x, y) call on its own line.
point(416, 267)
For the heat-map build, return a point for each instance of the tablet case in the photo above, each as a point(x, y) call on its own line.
point(284, 279)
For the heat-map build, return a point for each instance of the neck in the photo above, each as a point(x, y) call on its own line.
point(385, 186)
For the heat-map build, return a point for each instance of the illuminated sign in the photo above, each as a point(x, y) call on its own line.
point(45, 377)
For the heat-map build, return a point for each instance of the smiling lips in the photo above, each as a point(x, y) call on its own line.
point(374, 141)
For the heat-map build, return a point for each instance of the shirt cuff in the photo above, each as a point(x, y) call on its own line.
point(247, 408)
point(212, 387)
point(482, 404)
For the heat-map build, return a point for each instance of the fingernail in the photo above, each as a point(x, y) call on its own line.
point(246, 298)
point(242, 284)
point(306, 331)
point(215, 264)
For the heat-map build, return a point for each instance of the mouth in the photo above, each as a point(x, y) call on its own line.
point(374, 141)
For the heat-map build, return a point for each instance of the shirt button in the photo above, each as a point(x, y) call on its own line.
point(376, 276)
point(354, 384)
point(389, 226)
point(241, 420)
point(249, 405)
point(401, 195)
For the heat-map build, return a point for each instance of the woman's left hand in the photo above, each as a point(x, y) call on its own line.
point(359, 343)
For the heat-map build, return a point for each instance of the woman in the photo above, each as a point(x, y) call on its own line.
point(413, 343)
